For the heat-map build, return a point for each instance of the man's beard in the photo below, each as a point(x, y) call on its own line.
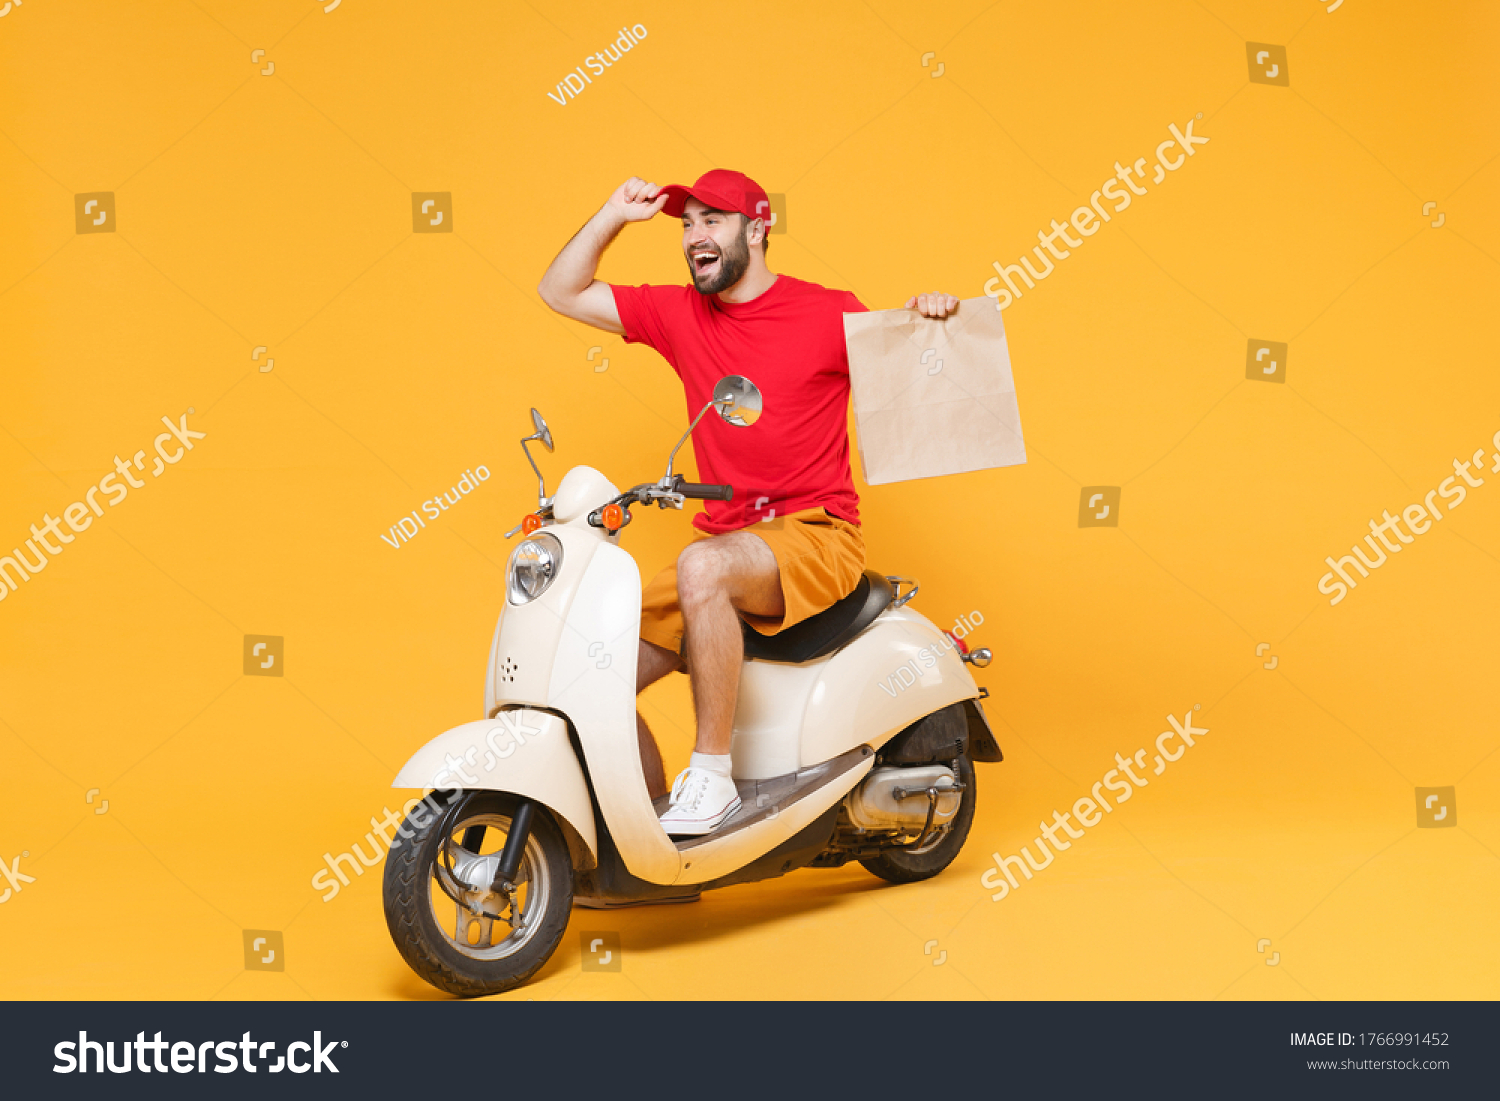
point(733, 263)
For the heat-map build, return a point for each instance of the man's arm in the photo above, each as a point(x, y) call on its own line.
point(569, 286)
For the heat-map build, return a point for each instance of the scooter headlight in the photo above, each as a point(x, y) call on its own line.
point(533, 566)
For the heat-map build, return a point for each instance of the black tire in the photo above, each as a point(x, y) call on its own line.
point(898, 866)
point(411, 893)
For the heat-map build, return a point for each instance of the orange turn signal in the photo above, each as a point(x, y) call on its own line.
point(613, 517)
point(530, 522)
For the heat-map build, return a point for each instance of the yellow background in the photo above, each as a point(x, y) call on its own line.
point(276, 210)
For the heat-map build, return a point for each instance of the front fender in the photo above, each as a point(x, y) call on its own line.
point(521, 751)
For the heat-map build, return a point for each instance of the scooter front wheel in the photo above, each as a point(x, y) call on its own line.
point(449, 924)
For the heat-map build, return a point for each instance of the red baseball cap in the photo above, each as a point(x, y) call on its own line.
point(720, 189)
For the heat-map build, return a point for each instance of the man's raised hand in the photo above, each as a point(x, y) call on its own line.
point(933, 305)
point(635, 200)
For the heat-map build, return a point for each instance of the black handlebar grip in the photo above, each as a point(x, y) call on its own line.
point(703, 491)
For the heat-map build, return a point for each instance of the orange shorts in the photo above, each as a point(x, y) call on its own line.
point(820, 557)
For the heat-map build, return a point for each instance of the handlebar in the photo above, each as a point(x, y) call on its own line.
point(668, 493)
point(705, 491)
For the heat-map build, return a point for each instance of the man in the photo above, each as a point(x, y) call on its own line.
point(789, 545)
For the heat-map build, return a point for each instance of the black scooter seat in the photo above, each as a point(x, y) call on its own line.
point(829, 630)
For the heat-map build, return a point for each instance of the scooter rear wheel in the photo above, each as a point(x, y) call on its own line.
point(488, 943)
point(901, 866)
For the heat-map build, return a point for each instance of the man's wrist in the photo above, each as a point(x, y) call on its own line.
point(610, 220)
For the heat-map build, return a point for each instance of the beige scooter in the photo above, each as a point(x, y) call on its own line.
point(854, 739)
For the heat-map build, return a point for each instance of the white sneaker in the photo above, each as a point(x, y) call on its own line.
point(702, 801)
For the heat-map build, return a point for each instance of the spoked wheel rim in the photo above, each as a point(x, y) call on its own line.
point(486, 924)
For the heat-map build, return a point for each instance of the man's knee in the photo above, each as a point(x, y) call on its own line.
point(700, 574)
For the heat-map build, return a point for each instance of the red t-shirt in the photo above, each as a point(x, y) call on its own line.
point(790, 343)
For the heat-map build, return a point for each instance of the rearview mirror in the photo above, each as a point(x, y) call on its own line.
point(543, 433)
point(738, 400)
point(543, 436)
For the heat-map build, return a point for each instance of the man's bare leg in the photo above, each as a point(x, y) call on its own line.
point(652, 663)
point(716, 578)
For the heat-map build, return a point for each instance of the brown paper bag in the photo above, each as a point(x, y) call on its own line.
point(932, 397)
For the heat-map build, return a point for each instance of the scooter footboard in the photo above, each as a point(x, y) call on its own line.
point(522, 752)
